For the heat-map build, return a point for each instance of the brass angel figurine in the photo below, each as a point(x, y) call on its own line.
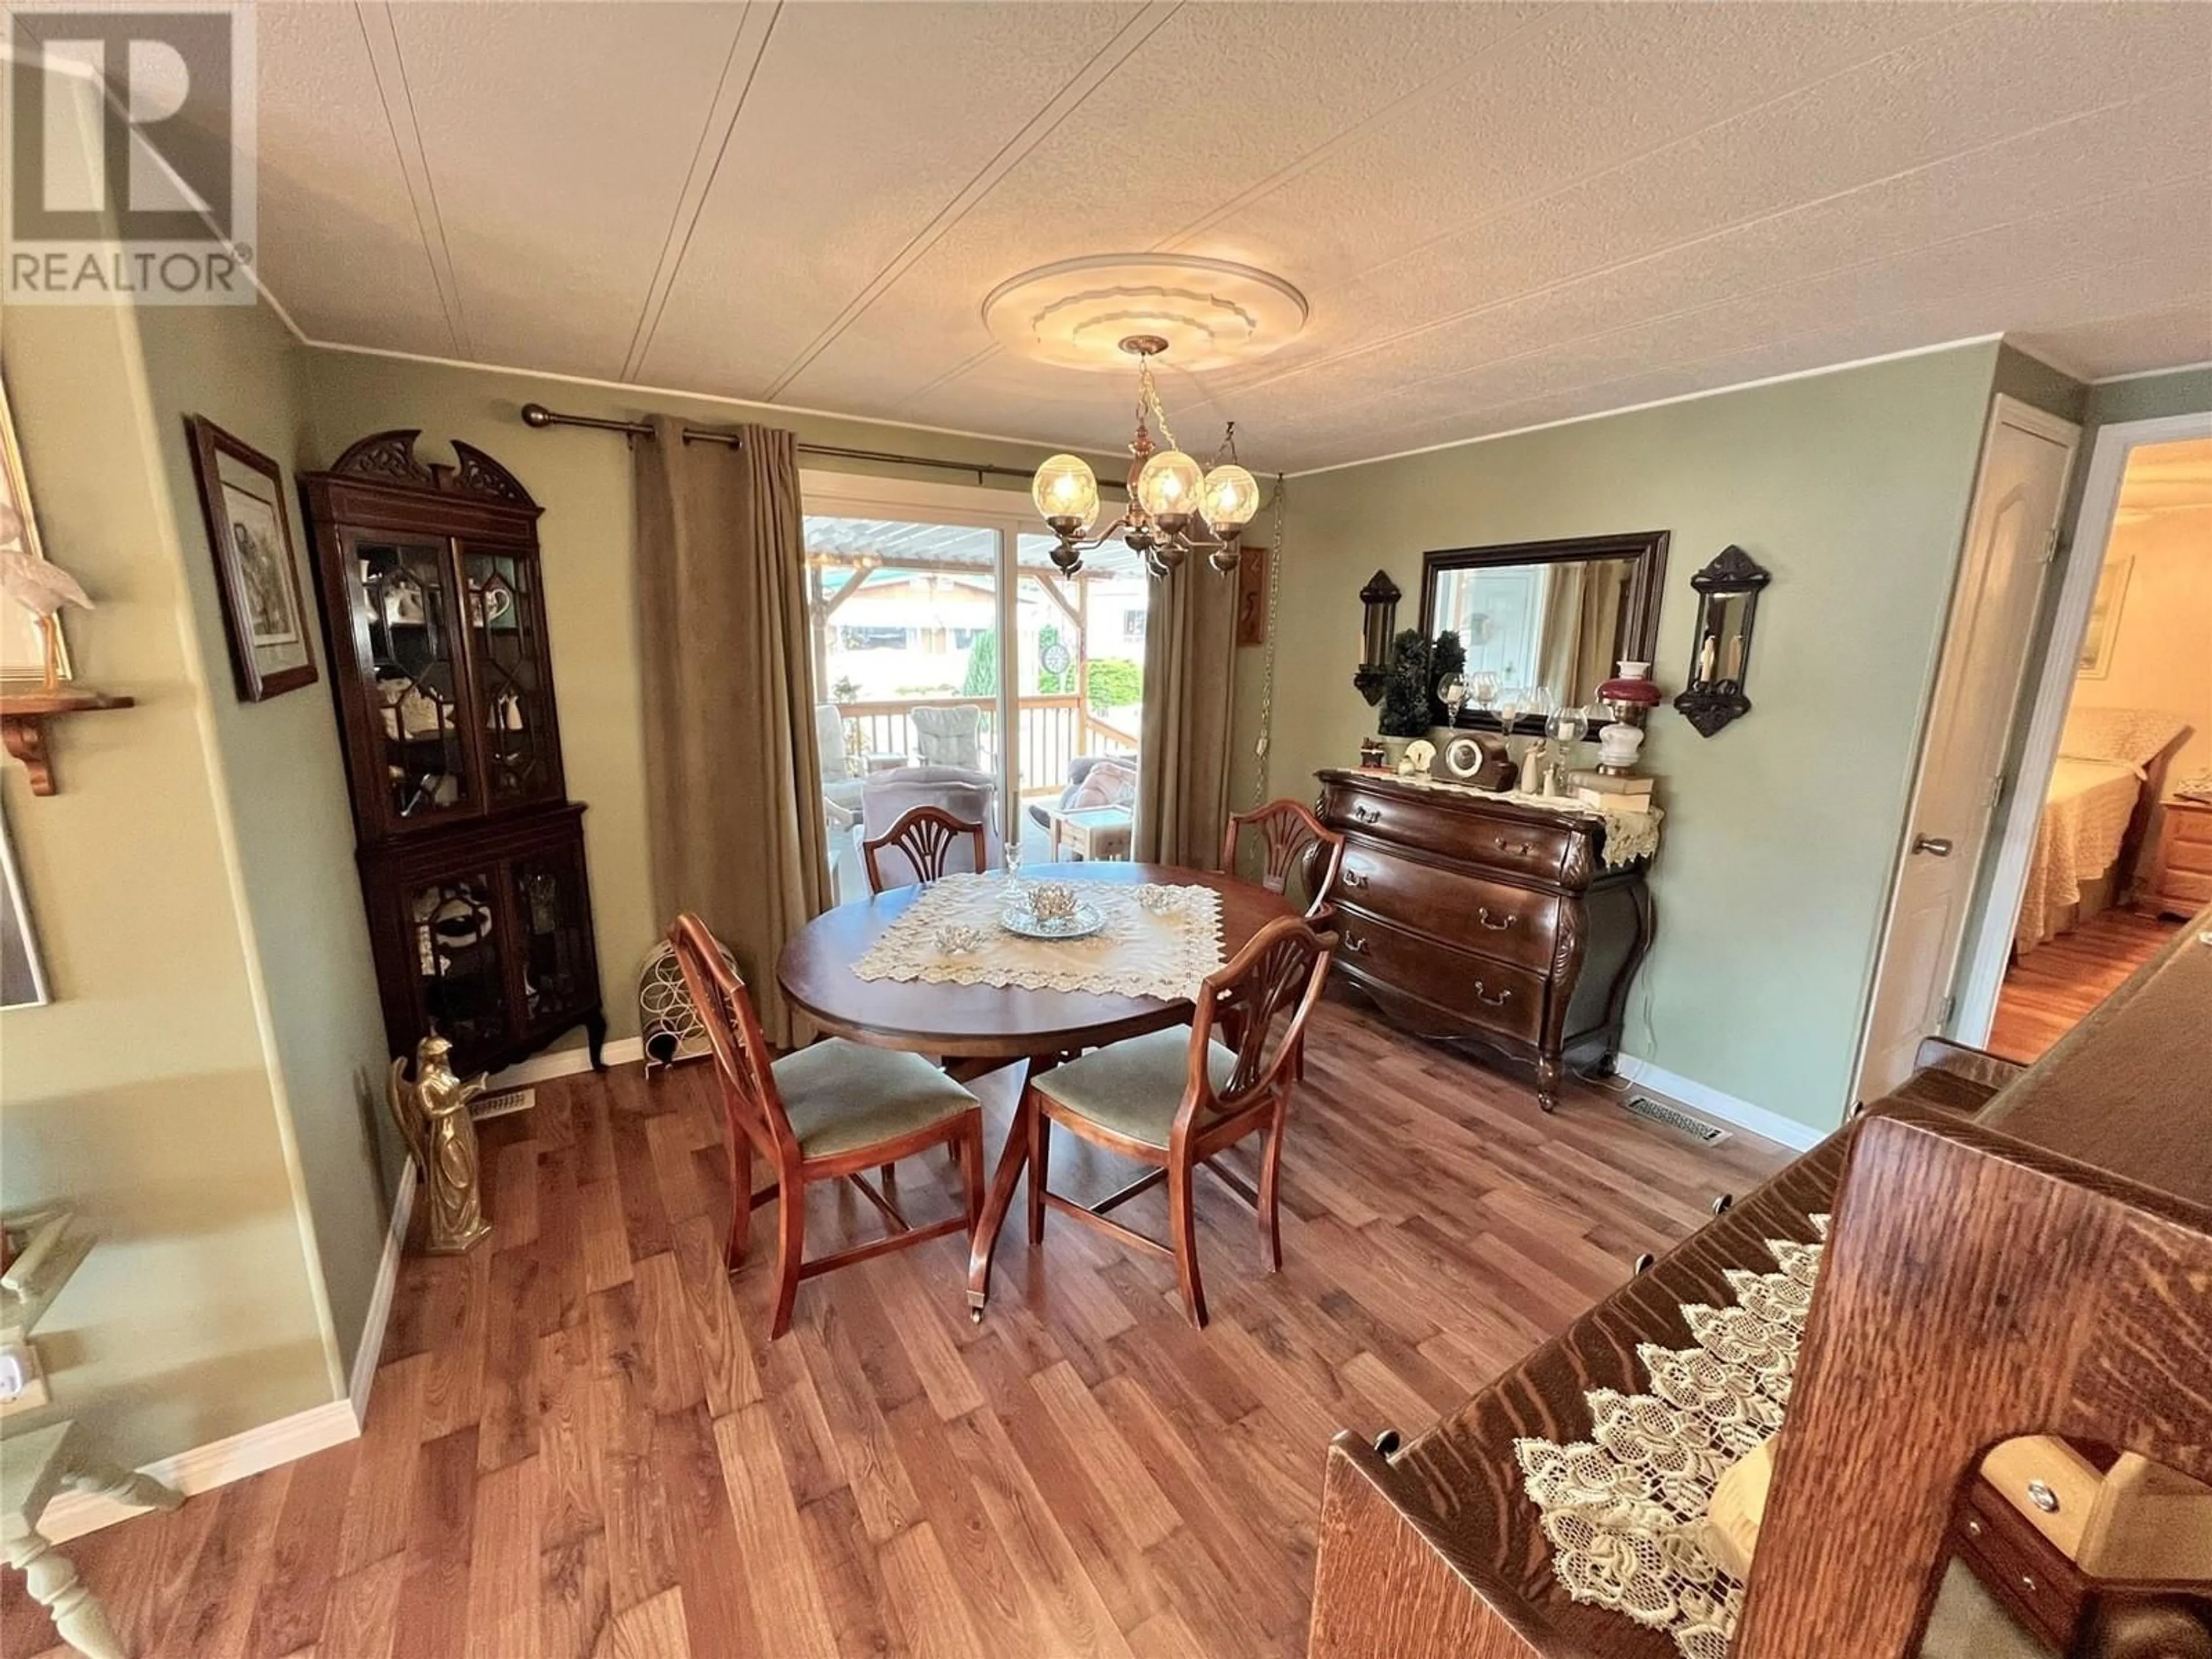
point(432, 1115)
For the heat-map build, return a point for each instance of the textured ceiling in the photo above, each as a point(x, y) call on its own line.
point(1501, 214)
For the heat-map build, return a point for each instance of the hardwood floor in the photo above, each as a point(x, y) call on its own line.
point(2047, 992)
point(581, 1442)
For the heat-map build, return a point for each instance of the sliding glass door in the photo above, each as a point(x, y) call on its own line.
point(942, 635)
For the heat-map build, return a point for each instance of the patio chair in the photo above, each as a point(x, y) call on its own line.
point(949, 736)
point(1078, 770)
point(841, 790)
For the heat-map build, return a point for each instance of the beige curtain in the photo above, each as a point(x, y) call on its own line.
point(1190, 684)
point(732, 769)
point(1581, 619)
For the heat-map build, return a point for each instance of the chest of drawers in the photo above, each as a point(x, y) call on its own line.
point(2181, 883)
point(1473, 921)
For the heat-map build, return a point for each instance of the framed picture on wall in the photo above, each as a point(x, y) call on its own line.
point(256, 566)
point(22, 650)
point(22, 978)
point(2104, 620)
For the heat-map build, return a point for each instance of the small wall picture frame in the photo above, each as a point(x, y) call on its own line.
point(257, 567)
point(22, 648)
point(22, 975)
point(2096, 658)
point(1253, 565)
point(1727, 590)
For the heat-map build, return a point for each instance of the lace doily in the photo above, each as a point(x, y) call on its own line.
point(1137, 953)
point(1628, 835)
point(1626, 1510)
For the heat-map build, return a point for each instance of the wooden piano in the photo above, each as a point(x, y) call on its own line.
point(2013, 1253)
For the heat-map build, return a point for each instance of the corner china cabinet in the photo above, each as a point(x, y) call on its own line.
point(472, 855)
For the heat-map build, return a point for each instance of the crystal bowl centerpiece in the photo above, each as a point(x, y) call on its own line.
point(1051, 910)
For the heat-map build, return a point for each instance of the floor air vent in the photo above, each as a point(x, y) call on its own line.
point(1658, 1111)
point(499, 1105)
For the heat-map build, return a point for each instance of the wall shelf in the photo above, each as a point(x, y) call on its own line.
point(23, 718)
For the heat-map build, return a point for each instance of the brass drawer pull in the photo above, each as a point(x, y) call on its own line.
point(1518, 848)
point(1366, 815)
point(1357, 946)
point(1482, 917)
point(1487, 1000)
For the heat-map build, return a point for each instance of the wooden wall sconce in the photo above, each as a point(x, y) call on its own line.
point(24, 716)
point(1378, 623)
point(1728, 601)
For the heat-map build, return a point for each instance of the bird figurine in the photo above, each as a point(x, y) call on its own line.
point(41, 587)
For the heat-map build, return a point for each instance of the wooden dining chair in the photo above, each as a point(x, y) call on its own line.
point(1294, 840)
point(825, 1112)
point(1178, 1099)
point(924, 836)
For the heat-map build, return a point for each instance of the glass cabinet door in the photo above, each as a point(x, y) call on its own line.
point(507, 659)
point(458, 947)
point(404, 625)
point(552, 922)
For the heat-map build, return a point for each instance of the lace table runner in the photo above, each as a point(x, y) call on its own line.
point(1626, 1510)
point(1137, 953)
point(1628, 835)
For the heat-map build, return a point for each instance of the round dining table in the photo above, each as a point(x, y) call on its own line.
point(974, 1025)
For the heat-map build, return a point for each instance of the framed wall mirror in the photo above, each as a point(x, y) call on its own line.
point(1555, 616)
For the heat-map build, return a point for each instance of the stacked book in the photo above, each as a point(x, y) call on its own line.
point(1612, 795)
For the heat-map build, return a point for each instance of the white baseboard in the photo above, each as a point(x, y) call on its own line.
point(202, 1468)
point(1771, 1126)
point(566, 1062)
point(379, 1300)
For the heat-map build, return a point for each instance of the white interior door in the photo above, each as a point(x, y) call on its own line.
point(2011, 533)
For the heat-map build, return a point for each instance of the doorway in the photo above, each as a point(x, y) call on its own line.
point(942, 635)
point(2113, 853)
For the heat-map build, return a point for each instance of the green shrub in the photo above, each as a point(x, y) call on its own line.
point(1115, 682)
point(983, 679)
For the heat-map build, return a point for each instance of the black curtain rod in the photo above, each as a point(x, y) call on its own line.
point(539, 417)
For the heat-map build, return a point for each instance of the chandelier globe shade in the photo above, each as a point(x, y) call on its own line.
point(1228, 498)
point(1065, 492)
point(1168, 487)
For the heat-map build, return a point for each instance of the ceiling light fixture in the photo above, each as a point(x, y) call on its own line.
point(1176, 507)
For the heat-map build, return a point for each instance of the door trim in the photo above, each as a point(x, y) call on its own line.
point(1980, 976)
point(2004, 410)
point(1004, 513)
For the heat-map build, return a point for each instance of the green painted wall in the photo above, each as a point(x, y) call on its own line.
point(582, 478)
point(144, 1094)
point(283, 775)
point(2036, 383)
point(1782, 832)
point(2151, 397)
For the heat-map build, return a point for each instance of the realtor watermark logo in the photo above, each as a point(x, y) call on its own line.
point(130, 155)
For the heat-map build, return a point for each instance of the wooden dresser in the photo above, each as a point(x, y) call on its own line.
point(2181, 881)
point(1473, 919)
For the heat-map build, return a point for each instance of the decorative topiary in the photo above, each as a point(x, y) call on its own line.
point(1406, 692)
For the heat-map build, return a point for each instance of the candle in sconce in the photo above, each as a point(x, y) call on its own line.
point(1734, 668)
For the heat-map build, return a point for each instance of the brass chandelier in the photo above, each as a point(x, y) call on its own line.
point(1175, 508)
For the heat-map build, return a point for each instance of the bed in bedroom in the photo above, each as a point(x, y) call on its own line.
point(2111, 769)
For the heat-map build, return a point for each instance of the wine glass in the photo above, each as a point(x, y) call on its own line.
point(1451, 692)
point(1566, 724)
point(1482, 689)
